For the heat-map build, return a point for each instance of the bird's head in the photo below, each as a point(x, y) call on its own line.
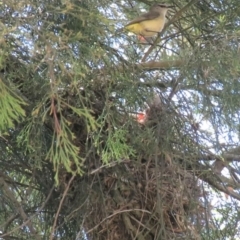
point(141, 117)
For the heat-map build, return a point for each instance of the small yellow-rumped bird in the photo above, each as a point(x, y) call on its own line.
point(150, 23)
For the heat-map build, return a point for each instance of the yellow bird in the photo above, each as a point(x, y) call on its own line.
point(150, 23)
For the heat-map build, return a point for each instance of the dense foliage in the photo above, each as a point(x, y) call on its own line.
point(75, 161)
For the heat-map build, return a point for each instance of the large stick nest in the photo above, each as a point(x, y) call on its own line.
point(146, 198)
point(141, 200)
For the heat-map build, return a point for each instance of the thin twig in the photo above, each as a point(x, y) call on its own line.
point(30, 218)
point(115, 213)
point(60, 206)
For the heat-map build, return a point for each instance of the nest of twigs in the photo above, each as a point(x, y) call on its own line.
point(144, 200)
point(152, 197)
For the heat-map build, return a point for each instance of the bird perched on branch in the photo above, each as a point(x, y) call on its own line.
point(150, 23)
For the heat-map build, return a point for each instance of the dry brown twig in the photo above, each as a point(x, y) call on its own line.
point(60, 206)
